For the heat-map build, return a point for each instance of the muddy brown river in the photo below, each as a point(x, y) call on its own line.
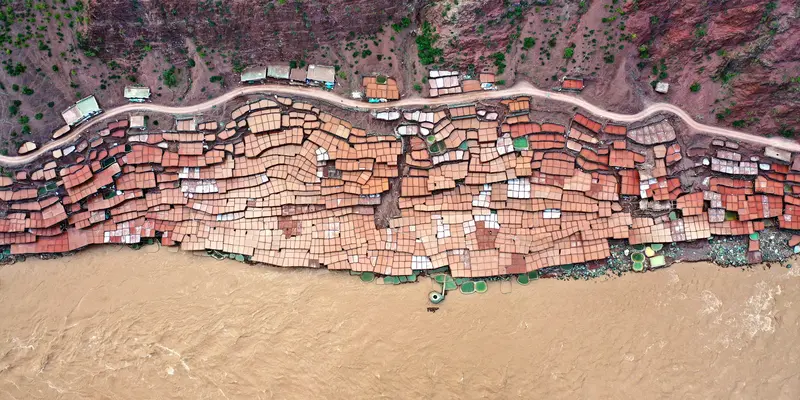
point(113, 323)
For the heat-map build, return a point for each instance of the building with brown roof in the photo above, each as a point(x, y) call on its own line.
point(298, 74)
point(573, 84)
point(322, 75)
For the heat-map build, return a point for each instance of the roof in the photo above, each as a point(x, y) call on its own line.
point(778, 154)
point(137, 92)
point(572, 84)
point(81, 110)
point(137, 121)
point(71, 115)
point(321, 73)
point(298, 74)
point(278, 71)
point(254, 74)
point(88, 105)
point(27, 147)
point(61, 131)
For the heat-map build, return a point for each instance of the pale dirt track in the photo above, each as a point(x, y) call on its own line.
point(520, 89)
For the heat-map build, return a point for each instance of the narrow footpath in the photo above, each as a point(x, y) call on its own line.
point(520, 89)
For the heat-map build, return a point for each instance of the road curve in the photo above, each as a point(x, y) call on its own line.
point(520, 89)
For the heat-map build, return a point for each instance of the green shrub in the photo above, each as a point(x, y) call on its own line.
point(583, 6)
point(16, 69)
point(499, 61)
point(403, 24)
point(568, 52)
point(169, 77)
point(528, 43)
point(695, 87)
point(418, 87)
point(38, 116)
point(644, 51)
point(238, 66)
point(425, 45)
point(700, 31)
point(27, 91)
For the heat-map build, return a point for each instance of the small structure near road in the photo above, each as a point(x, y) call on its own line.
point(574, 84)
point(137, 122)
point(26, 148)
point(778, 154)
point(84, 109)
point(60, 132)
point(321, 75)
point(298, 75)
point(254, 74)
point(381, 89)
point(278, 71)
point(487, 81)
point(137, 93)
point(662, 87)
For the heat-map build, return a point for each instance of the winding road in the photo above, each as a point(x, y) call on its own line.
point(520, 89)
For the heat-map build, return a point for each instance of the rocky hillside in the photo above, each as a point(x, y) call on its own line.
point(747, 51)
point(248, 30)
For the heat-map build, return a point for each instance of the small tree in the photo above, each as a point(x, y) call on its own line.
point(169, 77)
point(528, 43)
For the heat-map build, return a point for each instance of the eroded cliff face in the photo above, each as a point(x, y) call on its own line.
point(251, 30)
point(471, 30)
point(748, 50)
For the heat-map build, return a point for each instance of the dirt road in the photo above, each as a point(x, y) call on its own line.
point(520, 89)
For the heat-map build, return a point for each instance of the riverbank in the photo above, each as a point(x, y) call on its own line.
point(110, 322)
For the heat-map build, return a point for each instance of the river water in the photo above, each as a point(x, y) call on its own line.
point(113, 323)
